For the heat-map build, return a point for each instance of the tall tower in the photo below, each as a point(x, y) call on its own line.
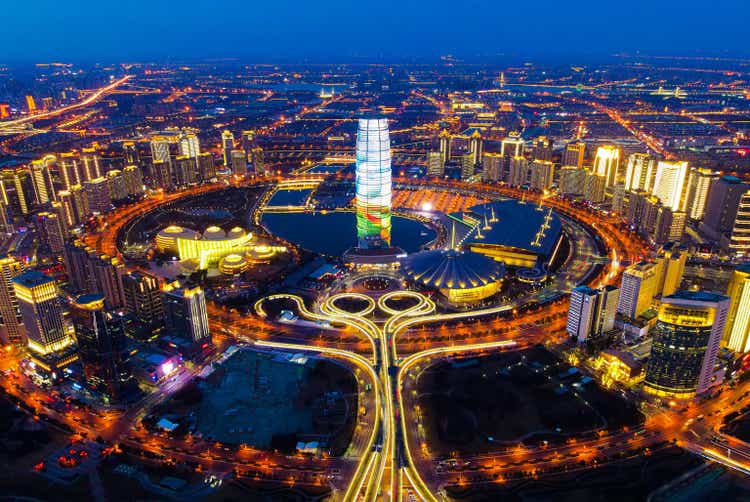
point(12, 329)
point(101, 345)
point(737, 335)
point(227, 145)
point(607, 163)
point(373, 184)
point(669, 184)
point(185, 313)
point(686, 344)
point(41, 312)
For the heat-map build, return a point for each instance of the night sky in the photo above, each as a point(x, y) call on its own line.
point(341, 30)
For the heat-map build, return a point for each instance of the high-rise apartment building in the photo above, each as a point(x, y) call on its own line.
point(572, 180)
point(435, 164)
point(721, 206)
point(143, 299)
point(97, 194)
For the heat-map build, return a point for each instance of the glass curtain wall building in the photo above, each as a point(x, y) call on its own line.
point(373, 184)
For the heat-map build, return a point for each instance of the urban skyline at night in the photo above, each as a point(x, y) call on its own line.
point(378, 252)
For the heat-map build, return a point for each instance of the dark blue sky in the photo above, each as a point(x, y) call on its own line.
point(337, 30)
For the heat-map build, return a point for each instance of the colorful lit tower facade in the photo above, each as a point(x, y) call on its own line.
point(373, 184)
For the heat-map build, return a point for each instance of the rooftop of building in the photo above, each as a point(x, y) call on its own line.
point(515, 224)
point(33, 278)
point(451, 269)
point(697, 296)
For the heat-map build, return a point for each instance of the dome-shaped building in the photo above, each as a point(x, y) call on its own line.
point(233, 264)
point(166, 239)
point(462, 276)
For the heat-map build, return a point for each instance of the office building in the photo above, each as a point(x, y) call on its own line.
point(574, 154)
point(89, 165)
point(670, 225)
point(12, 329)
point(721, 206)
point(541, 175)
point(476, 146)
point(239, 162)
point(492, 167)
point(591, 312)
point(542, 148)
point(687, 336)
point(227, 145)
point(76, 259)
point(518, 174)
point(101, 346)
point(51, 232)
point(738, 243)
point(133, 179)
point(17, 192)
point(737, 336)
point(670, 183)
point(698, 186)
point(106, 278)
point(672, 259)
point(185, 171)
point(619, 199)
point(206, 167)
point(248, 143)
point(572, 180)
point(445, 146)
point(41, 179)
point(185, 313)
point(594, 186)
point(467, 166)
point(435, 165)
point(97, 194)
point(607, 164)
point(31, 104)
point(80, 201)
point(142, 295)
point(161, 176)
point(116, 185)
point(373, 183)
point(188, 145)
point(130, 153)
point(41, 313)
point(512, 146)
point(640, 172)
point(160, 150)
point(640, 284)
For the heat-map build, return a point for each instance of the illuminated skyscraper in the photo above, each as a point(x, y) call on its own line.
point(31, 104)
point(373, 183)
point(133, 180)
point(227, 145)
point(41, 312)
point(41, 179)
point(239, 162)
point(97, 194)
point(573, 154)
point(737, 336)
point(185, 313)
point(607, 164)
point(640, 284)
point(435, 165)
point(687, 335)
point(640, 172)
point(101, 345)
point(698, 185)
point(189, 146)
point(445, 146)
point(669, 185)
point(476, 146)
point(12, 329)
